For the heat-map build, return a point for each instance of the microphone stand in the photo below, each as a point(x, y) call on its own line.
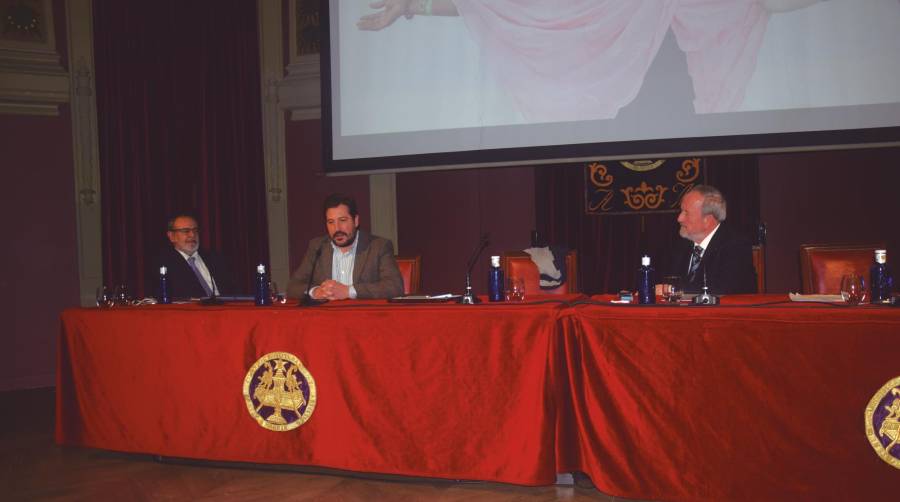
point(307, 300)
point(706, 298)
point(469, 298)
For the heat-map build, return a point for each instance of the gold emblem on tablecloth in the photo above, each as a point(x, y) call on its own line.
point(883, 422)
point(279, 391)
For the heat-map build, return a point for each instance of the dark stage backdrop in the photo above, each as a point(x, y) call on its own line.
point(610, 246)
point(180, 129)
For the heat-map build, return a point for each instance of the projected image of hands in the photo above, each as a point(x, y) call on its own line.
point(391, 10)
point(444, 64)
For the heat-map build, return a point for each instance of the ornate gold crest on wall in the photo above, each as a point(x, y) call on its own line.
point(279, 391)
point(883, 422)
point(640, 186)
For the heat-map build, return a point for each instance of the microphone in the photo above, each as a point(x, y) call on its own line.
point(706, 298)
point(307, 300)
point(469, 298)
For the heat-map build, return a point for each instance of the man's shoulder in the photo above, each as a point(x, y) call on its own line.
point(167, 254)
point(726, 235)
point(209, 255)
point(317, 241)
point(374, 238)
point(375, 241)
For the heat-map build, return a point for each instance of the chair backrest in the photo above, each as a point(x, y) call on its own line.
point(519, 264)
point(411, 270)
point(823, 265)
point(759, 263)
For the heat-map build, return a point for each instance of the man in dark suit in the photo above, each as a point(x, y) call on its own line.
point(190, 274)
point(346, 263)
point(710, 248)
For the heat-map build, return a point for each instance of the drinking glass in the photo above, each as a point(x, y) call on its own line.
point(853, 289)
point(274, 295)
point(515, 291)
point(104, 298)
point(672, 288)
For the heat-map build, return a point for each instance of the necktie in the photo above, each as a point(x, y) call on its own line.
point(696, 256)
point(192, 262)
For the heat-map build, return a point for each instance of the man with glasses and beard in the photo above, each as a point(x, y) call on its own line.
point(349, 263)
point(190, 274)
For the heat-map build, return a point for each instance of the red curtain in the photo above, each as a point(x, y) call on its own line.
point(609, 247)
point(179, 118)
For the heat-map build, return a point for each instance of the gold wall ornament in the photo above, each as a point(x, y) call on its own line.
point(642, 166)
point(644, 196)
point(599, 175)
point(279, 391)
point(883, 422)
point(686, 176)
point(689, 171)
point(632, 187)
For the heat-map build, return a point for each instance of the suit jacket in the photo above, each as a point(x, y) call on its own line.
point(375, 272)
point(182, 281)
point(728, 262)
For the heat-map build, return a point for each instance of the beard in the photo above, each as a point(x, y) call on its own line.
point(350, 238)
point(687, 235)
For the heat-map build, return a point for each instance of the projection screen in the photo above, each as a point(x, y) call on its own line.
point(462, 83)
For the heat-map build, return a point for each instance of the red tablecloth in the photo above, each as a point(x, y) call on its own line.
point(735, 402)
point(729, 402)
point(463, 392)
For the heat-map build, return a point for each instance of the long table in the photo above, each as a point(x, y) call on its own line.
point(734, 402)
point(731, 402)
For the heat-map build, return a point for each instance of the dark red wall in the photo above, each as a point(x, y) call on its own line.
point(441, 216)
point(819, 197)
point(307, 187)
point(39, 257)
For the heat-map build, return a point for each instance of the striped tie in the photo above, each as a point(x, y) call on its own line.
point(696, 256)
point(192, 262)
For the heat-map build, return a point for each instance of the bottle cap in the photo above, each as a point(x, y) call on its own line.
point(495, 261)
point(260, 269)
point(163, 270)
point(881, 255)
point(645, 261)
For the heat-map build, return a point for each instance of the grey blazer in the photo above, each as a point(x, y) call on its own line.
point(375, 272)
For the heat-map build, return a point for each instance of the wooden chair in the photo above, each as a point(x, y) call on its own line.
point(823, 265)
point(411, 270)
point(759, 263)
point(519, 264)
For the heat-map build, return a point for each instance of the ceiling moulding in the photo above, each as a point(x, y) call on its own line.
point(300, 91)
point(32, 80)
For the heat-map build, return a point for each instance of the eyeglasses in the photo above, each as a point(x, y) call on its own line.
point(186, 231)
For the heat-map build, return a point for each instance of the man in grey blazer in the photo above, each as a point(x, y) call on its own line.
point(347, 263)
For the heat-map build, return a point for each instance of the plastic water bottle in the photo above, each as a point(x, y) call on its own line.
point(646, 285)
point(495, 280)
point(262, 286)
point(881, 282)
point(164, 286)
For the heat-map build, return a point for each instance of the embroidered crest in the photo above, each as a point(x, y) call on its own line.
point(279, 391)
point(883, 422)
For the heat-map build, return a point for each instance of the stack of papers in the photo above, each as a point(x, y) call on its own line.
point(425, 298)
